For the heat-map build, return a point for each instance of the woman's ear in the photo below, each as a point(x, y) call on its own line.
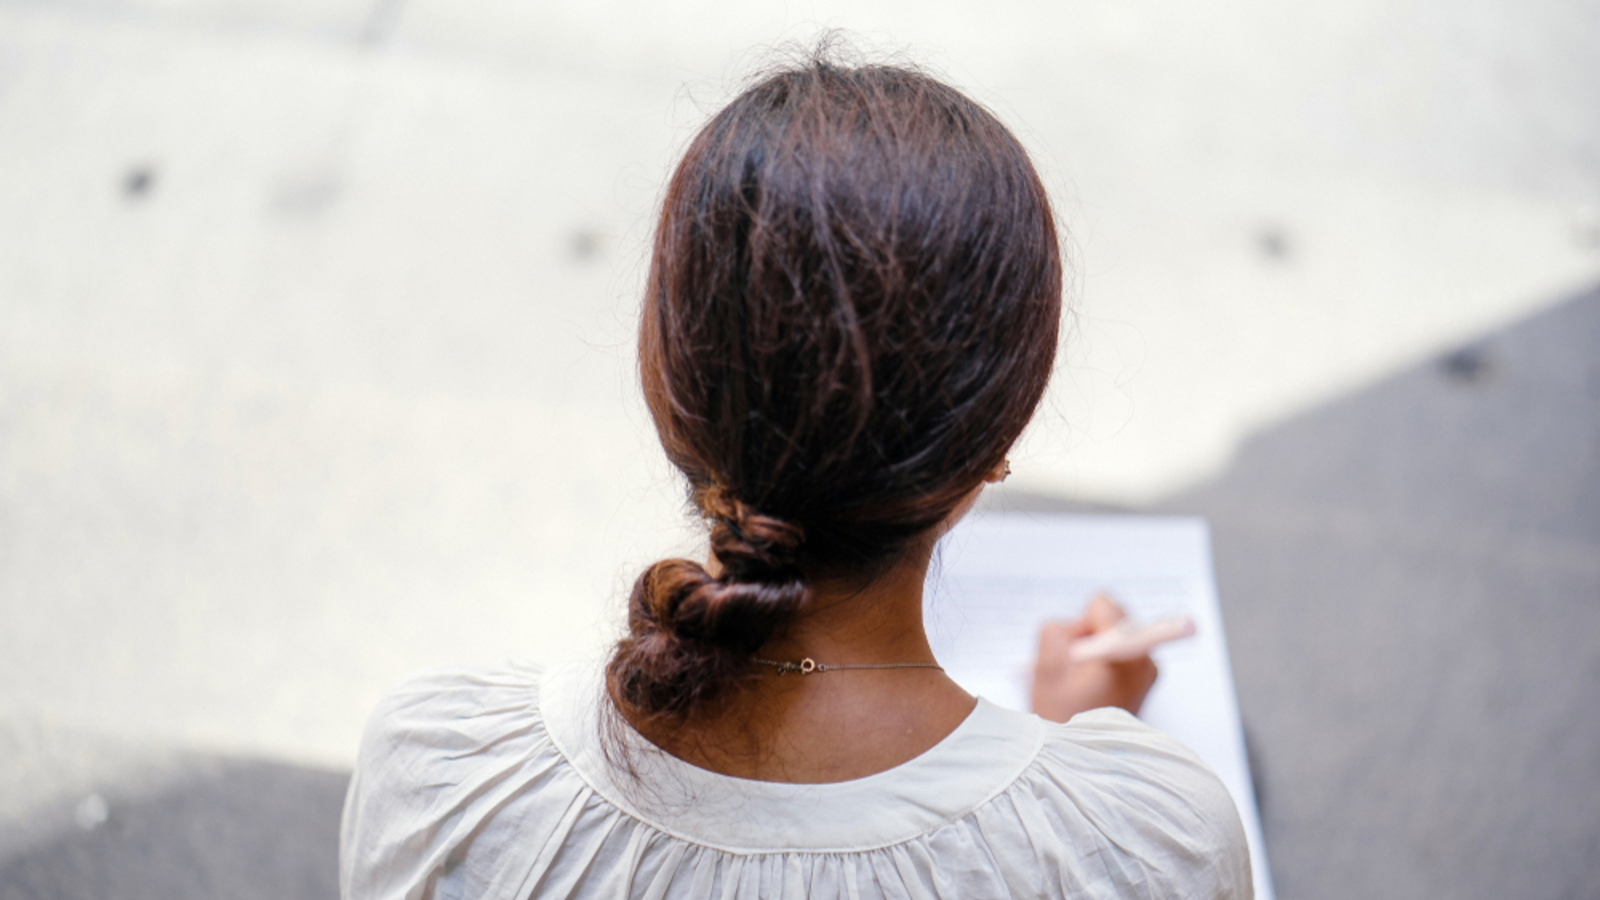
point(1000, 472)
point(995, 476)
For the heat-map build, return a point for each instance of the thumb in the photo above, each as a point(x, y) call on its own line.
point(1102, 614)
point(1056, 637)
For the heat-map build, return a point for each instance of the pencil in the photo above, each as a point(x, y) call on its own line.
point(1126, 641)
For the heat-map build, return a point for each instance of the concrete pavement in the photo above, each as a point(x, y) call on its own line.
point(314, 370)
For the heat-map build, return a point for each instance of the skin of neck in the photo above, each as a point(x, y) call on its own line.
point(849, 624)
point(838, 725)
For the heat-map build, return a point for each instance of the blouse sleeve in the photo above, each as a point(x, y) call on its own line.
point(435, 754)
point(1171, 826)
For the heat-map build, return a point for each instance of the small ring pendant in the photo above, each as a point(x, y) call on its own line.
point(807, 666)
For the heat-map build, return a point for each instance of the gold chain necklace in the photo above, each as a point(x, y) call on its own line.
point(808, 665)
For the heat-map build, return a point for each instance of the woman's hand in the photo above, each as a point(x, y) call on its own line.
point(1064, 687)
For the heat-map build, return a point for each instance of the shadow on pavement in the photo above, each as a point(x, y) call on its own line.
point(233, 830)
point(1410, 577)
point(1411, 581)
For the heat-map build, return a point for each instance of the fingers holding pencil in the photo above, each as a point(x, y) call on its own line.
point(1099, 659)
point(1125, 642)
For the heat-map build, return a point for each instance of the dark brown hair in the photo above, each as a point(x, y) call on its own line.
point(850, 315)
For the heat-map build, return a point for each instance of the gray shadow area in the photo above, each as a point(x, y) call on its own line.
point(233, 829)
point(1411, 581)
point(1410, 577)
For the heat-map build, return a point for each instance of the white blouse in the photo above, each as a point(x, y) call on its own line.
point(491, 782)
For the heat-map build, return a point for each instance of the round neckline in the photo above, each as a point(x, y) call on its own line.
point(683, 770)
point(979, 759)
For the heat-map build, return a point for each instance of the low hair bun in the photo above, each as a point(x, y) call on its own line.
point(750, 546)
point(691, 635)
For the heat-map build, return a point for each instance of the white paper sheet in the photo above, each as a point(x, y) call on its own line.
point(998, 576)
